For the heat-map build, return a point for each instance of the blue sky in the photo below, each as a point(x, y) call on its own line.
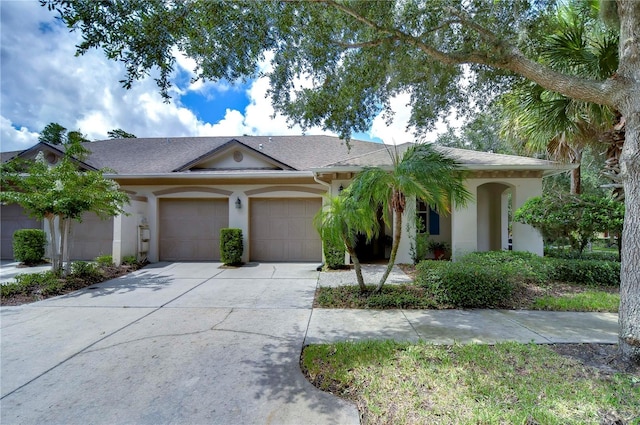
point(42, 81)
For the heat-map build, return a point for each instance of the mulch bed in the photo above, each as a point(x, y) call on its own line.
point(71, 284)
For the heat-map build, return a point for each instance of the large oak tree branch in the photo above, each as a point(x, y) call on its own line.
point(600, 92)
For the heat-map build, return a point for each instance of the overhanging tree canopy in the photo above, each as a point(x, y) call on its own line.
point(362, 53)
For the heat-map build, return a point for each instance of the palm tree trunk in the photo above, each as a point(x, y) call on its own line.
point(358, 268)
point(397, 229)
point(576, 183)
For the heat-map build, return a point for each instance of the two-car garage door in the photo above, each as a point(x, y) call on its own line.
point(282, 230)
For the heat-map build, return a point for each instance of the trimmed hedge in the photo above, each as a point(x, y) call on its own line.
point(466, 284)
point(231, 247)
point(333, 255)
point(585, 272)
point(28, 245)
point(576, 255)
point(488, 279)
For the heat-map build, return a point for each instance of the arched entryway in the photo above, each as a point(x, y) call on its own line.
point(493, 214)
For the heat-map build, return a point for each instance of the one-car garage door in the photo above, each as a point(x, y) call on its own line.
point(282, 230)
point(91, 238)
point(190, 228)
point(13, 218)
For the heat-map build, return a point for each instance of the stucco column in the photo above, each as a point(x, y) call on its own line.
point(407, 235)
point(116, 247)
point(239, 219)
point(525, 237)
point(464, 225)
point(154, 230)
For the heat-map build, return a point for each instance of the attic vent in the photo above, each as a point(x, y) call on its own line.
point(260, 146)
point(270, 140)
point(51, 158)
point(237, 156)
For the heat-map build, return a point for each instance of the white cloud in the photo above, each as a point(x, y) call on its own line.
point(20, 138)
point(43, 82)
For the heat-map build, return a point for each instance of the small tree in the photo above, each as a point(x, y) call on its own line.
point(420, 172)
point(61, 194)
point(575, 217)
point(341, 220)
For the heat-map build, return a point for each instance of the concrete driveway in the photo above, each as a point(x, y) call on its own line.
point(192, 343)
point(183, 343)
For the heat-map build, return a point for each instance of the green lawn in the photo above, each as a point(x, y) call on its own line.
point(510, 383)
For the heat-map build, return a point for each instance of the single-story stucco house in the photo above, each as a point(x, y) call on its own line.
point(184, 190)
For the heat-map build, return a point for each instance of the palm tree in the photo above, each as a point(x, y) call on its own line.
point(341, 220)
point(545, 121)
point(419, 172)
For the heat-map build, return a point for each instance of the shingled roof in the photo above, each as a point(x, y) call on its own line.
point(171, 155)
point(164, 155)
point(473, 160)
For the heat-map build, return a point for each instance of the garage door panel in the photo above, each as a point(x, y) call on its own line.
point(13, 218)
point(282, 230)
point(91, 237)
point(190, 228)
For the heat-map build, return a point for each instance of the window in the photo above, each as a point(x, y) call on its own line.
point(428, 217)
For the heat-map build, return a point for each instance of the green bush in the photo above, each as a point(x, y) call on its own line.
point(585, 272)
point(421, 249)
point(10, 289)
point(85, 270)
point(519, 266)
point(129, 260)
point(28, 245)
point(479, 279)
point(105, 260)
point(48, 282)
point(576, 255)
point(470, 285)
point(333, 255)
point(231, 246)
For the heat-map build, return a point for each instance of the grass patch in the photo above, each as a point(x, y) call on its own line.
point(391, 296)
point(586, 301)
point(404, 383)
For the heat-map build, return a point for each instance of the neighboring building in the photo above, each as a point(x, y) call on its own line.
point(184, 190)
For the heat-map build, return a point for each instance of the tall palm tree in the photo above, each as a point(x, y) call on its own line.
point(417, 171)
point(341, 220)
point(545, 121)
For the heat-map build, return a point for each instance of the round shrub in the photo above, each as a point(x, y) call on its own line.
point(231, 247)
point(469, 285)
point(333, 255)
point(28, 245)
point(585, 272)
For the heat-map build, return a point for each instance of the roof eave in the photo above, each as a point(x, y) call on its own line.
point(223, 174)
point(547, 170)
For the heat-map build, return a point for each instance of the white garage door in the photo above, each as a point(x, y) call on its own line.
point(282, 230)
point(91, 238)
point(190, 228)
point(13, 218)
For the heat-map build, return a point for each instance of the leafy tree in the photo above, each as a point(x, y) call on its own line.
point(420, 172)
point(55, 134)
point(119, 133)
point(61, 194)
point(341, 220)
point(546, 121)
point(576, 218)
point(482, 133)
point(360, 54)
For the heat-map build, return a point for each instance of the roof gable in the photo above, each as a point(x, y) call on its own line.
point(52, 155)
point(234, 155)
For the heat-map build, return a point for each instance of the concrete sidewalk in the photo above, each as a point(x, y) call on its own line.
point(452, 326)
point(198, 343)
